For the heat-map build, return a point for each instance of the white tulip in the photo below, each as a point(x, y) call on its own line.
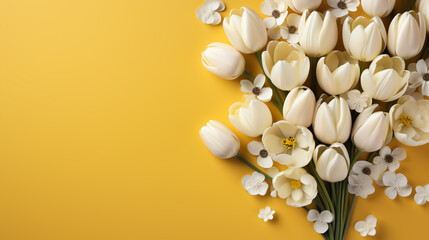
point(364, 38)
point(251, 117)
point(220, 140)
point(302, 5)
point(379, 8)
point(223, 61)
point(285, 64)
point(293, 145)
point(332, 120)
point(371, 130)
point(299, 106)
point(337, 73)
point(245, 30)
point(332, 163)
point(410, 120)
point(407, 34)
point(296, 186)
point(423, 7)
point(386, 78)
point(319, 33)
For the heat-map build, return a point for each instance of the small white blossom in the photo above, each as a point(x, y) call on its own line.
point(366, 168)
point(255, 184)
point(266, 214)
point(257, 88)
point(422, 194)
point(367, 227)
point(320, 220)
point(419, 78)
point(356, 100)
point(396, 184)
point(389, 159)
point(208, 13)
point(265, 158)
point(342, 7)
point(272, 172)
point(277, 10)
point(288, 30)
point(360, 185)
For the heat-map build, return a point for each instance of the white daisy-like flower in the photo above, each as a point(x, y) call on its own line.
point(288, 30)
point(277, 10)
point(422, 194)
point(397, 184)
point(366, 168)
point(320, 220)
point(360, 185)
point(265, 158)
point(342, 7)
point(255, 184)
point(208, 13)
point(367, 227)
point(419, 78)
point(389, 159)
point(257, 88)
point(266, 214)
point(356, 100)
point(272, 172)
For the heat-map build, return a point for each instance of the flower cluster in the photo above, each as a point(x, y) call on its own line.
point(369, 97)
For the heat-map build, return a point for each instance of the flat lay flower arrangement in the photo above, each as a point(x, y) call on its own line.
point(335, 105)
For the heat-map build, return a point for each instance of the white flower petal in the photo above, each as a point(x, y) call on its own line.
point(254, 147)
point(246, 86)
point(321, 227)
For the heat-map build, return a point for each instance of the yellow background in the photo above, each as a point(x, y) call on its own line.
point(100, 106)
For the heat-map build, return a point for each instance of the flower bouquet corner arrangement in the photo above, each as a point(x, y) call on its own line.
point(335, 102)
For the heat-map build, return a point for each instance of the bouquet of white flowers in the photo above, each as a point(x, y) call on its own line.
point(366, 96)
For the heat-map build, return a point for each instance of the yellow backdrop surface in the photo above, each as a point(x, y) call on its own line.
point(100, 106)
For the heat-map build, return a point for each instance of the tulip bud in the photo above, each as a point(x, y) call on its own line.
point(301, 5)
point(337, 73)
point(220, 140)
point(299, 106)
point(364, 38)
point(332, 163)
point(332, 119)
point(319, 33)
point(223, 61)
point(379, 8)
point(371, 130)
point(407, 34)
point(386, 78)
point(251, 117)
point(245, 30)
point(423, 7)
point(285, 64)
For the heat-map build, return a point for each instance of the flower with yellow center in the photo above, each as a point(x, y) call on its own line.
point(296, 186)
point(410, 120)
point(293, 145)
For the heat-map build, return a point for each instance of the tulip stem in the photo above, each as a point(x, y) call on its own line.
point(248, 75)
point(410, 5)
point(404, 4)
point(239, 157)
point(348, 216)
point(313, 75)
point(425, 52)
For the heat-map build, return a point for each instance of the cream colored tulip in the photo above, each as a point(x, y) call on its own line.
point(296, 186)
point(371, 130)
point(364, 38)
point(251, 117)
point(410, 120)
point(407, 34)
point(337, 73)
point(220, 140)
point(332, 163)
point(245, 30)
point(285, 64)
point(302, 5)
point(423, 7)
point(299, 106)
point(223, 61)
point(332, 119)
point(319, 33)
point(293, 145)
point(386, 78)
point(379, 8)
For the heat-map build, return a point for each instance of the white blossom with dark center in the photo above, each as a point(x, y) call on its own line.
point(265, 158)
point(257, 88)
point(342, 7)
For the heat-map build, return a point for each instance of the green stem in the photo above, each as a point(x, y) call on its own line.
point(355, 157)
point(277, 102)
point(313, 74)
point(248, 75)
point(338, 221)
point(371, 156)
point(349, 216)
point(410, 5)
point(425, 52)
point(239, 157)
point(404, 4)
